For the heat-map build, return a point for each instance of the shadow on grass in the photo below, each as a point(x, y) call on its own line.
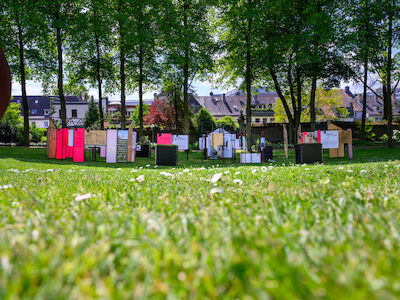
point(38, 155)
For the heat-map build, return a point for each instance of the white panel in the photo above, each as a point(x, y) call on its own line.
point(330, 139)
point(111, 152)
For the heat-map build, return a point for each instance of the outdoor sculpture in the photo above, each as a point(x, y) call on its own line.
point(5, 84)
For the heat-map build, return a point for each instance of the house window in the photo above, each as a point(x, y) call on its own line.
point(46, 124)
point(257, 120)
point(36, 101)
point(74, 113)
point(265, 121)
point(34, 111)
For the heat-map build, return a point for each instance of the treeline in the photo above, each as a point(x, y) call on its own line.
point(125, 46)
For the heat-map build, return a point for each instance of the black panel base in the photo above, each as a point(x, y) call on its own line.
point(308, 153)
point(166, 155)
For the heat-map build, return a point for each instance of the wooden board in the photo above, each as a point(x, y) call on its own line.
point(96, 137)
point(286, 141)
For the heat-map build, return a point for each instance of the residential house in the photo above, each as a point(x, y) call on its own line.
point(375, 105)
point(234, 102)
point(42, 108)
point(130, 105)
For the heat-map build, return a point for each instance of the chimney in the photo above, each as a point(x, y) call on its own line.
point(348, 92)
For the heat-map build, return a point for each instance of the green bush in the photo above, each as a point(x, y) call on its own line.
point(369, 134)
point(37, 134)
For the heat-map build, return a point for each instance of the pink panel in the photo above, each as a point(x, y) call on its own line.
point(79, 145)
point(319, 136)
point(164, 138)
point(102, 151)
point(70, 152)
point(65, 142)
point(59, 144)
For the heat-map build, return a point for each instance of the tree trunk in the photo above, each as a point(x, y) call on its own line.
point(314, 78)
point(63, 113)
point(297, 112)
point(123, 96)
point(248, 83)
point(186, 80)
point(140, 90)
point(312, 98)
point(389, 78)
point(25, 106)
point(122, 68)
point(364, 111)
point(248, 102)
point(175, 94)
point(99, 82)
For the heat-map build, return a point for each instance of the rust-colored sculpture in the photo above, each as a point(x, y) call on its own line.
point(5, 84)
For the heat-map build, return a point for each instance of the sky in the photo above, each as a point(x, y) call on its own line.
point(35, 89)
point(202, 88)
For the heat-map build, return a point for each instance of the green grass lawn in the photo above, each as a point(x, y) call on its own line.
point(278, 231)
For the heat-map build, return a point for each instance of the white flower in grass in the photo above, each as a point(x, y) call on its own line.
point(155, 166)
point(216, 177)
point(270, 168)
point(237, 173)
point(340, 168)
point(140, 168)
point(186, 170)
point(119, 169)
point(147, 166)
point(216, 190)
point(254, 171)
point(325, 181)
point(140, 178)
point(79, 198)
point(226, 172)
point(363, 171)
point(167, 174)
point(350, 171)
point(50, 170)
point(14, 204)
point(6, 186)
point(133, 171)
point(264, 169)
point(238, 181)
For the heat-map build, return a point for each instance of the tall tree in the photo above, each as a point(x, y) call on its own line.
point(239, 47)
point(90, 58)
point(187, 42)
point(59, 15)
point(362, 39)
point(299, 50)
point(19, 28)
point(391, 39)
point(142, 38)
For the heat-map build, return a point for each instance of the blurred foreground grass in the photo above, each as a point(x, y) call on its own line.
point(135, 231)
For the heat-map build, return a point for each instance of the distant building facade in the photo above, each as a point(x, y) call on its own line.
point(42, 108)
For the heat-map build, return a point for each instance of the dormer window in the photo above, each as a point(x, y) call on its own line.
point(36, 101)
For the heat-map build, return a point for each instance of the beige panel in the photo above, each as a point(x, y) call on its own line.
point(96, 137)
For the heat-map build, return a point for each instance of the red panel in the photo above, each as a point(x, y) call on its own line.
point(79, 145)
point(5, 84)
point(164, 139)
point(59, 144)
point(65, 142)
